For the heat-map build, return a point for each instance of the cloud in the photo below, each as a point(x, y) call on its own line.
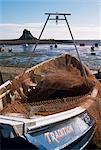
point(60, 31)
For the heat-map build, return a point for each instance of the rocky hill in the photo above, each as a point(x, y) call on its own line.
point(27, 35)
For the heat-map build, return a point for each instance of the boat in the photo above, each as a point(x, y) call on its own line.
point(60, 116)
point(53, 105)
point(92, 50)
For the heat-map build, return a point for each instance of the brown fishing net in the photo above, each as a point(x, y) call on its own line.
point(16, 107)
point(59, 84)
point(55, 91)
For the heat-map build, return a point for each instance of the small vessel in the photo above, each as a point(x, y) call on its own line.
point(53, 105)
point(96, 44)
point(55, 46)
point(51, 46)
point(2, 49)
point(10, 50)
point(25, 47)
point(93, 50)
point(82, 44)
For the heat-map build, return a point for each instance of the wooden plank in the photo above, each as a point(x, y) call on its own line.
point(12, 70)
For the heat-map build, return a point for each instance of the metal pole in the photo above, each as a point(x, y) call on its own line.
point(37, 42)
point(84, 73)
point(41, 32)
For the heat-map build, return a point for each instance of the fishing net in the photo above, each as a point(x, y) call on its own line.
point(59, 84)
point(55, 91)
point(16, 107)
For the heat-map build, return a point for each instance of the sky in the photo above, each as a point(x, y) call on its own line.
point(17, 15)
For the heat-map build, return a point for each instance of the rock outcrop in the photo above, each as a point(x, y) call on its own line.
point(27, 35)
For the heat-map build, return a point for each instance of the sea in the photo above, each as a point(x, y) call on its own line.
point(23, 55)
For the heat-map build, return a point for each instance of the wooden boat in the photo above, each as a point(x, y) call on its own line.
point(51, 106)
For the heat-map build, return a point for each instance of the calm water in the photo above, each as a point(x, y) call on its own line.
point(20, 54)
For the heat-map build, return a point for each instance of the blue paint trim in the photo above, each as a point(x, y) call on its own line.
point(74, 139)
point(81, 142)
point(35, 142)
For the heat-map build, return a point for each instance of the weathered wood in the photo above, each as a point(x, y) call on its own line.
point(12, 70)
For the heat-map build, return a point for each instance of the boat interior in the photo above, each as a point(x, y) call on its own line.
point(59, 80)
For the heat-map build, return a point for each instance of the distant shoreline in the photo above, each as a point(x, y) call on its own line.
point(50, 41)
